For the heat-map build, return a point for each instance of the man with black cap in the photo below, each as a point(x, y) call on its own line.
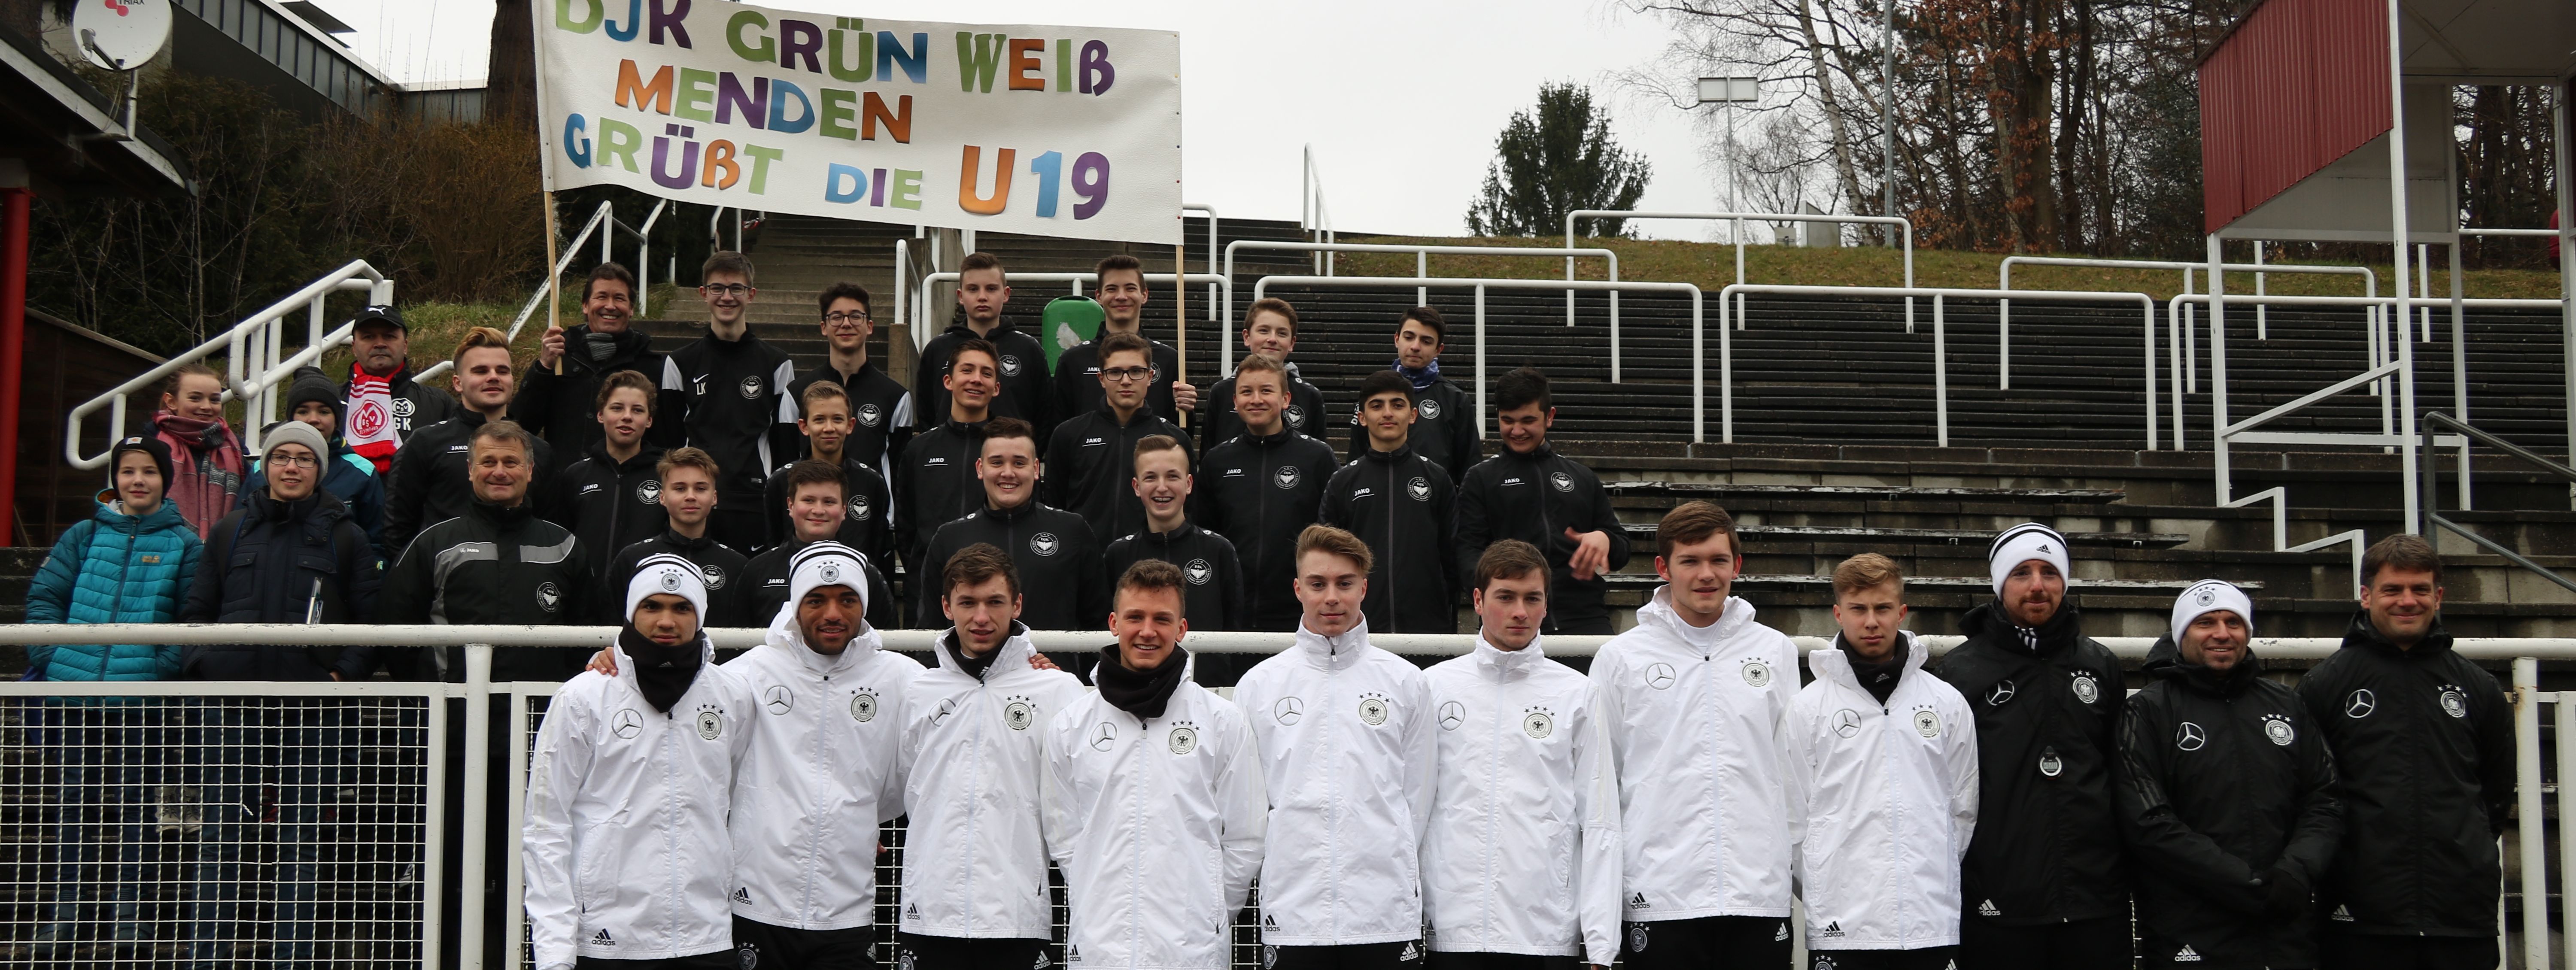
point(974, 855)
point(2423, 743)
point(347, 475)
point(386, 403)
point(2044, 883)
point(625, 845)
point(2227, 796)
point(1158, 888)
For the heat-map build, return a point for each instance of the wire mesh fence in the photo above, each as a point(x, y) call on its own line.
point(214, 831)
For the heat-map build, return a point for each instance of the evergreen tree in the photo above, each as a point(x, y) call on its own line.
point(1552, 160)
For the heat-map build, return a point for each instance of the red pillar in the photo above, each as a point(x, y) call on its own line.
point(15, 206)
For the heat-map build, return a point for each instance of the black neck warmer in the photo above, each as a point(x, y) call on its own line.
point(662, 673)
point(2057, 634)
point(974, 666)
point(1880, 678)
point(1140, 694)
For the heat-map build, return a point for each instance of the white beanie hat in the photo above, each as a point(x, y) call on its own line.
point(666, 573)
point(825, 563)
point(2023, 543)
point(2210, 596)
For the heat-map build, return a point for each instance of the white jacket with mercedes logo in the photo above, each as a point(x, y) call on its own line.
point(1157, 825)
point(624, 845)
point(1882, 799)
point(1346, 737)
point(823, 773)
point(1693, 715)
point(974, 856)
point(1523, 851)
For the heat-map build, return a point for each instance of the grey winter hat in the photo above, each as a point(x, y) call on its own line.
point(294, 433)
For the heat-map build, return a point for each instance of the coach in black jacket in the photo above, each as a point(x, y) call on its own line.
point(2424, 748)
point(2226, 795)
point(1061, 581)
point(1402, 505)
point(1260, 489)
point(2044, 884)
point(1531, 493)
point(497, 563)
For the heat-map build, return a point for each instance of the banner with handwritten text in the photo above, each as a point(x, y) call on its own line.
point(1057, 131)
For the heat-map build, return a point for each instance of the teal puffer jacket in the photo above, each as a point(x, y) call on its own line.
point(114, 568)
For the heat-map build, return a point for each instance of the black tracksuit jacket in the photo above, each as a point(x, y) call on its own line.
point(865, 529)
point(1444, 430)
point(1304, 414)
point(609, 504)
point(416, 405)
point(1214, 596)
point(934, 484)
point(1091, 468)
point(880, 411)
point(735, 408)
point(1403, 506)
point(1062, 586)
point(765, 589)
point(724, 566)
point(2223, 777)
point(429, 484)
point(2424, 756)
point(1077, 381)
point(491, 565)
point(1027, 393)
point(1259, 491)
point(564, 410)
point(2047, 848)
point(1534, 498)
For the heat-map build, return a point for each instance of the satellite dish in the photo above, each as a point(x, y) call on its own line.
point(120, 35)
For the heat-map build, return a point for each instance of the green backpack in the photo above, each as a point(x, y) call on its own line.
point(1069, 322)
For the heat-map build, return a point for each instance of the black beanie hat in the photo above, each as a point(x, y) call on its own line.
point(311, 385)
point(146, 444)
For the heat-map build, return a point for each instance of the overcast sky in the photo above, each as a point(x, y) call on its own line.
point(1401, 98)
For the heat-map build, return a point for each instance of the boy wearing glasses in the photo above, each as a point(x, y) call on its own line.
point(731, 393)
point(1094, 454)
point(880, 406)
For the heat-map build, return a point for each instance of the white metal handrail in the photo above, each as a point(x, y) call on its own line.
point(1313, 217)
point(1214, 304)
point(2370, 288)
point(1738, 234)
point(1422, 270)
point(1698, 356)
point(1940, 350)
point(252, 343)
point(606, 213)
point(915, 641)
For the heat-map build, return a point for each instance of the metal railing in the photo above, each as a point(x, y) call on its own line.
point(1699, 356)
point(254, 355)
point(1422, 270)
point(1737, 218)
point(1940, 340)
point(406, 797)
point(1313, 217)
point(606, 214)
point(2432, 511)
point(1214, 304)
point(922, 332)
point(2190, 276)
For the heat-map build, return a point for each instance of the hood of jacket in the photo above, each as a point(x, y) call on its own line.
point(1834, 664)
point(1015, 651)
point(2362, 634)
point(1659, 613)
point(784, 634)
point(1333, 653)
point(2165, 662)
point(111, 514)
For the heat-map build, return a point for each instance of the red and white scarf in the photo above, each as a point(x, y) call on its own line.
point(371, 433)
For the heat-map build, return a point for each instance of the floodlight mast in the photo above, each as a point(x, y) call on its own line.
point(1730, 91)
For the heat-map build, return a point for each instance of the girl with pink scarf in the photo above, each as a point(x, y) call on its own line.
point(206, 457)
